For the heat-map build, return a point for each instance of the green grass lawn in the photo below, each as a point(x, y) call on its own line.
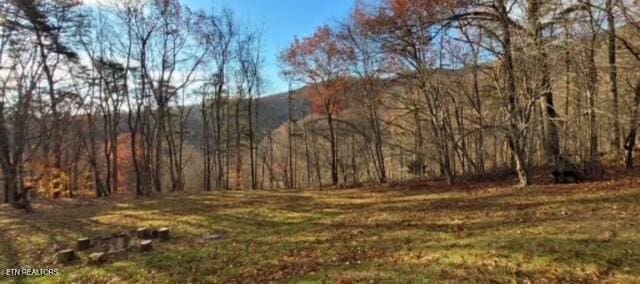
point(419, 233)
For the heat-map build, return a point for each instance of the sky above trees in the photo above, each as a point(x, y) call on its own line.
point(280, 21)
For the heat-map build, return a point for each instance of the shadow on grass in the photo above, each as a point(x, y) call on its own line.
point(276, 236)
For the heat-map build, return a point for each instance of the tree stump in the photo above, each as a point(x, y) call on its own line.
point(97, 258)
point(163, 233)
point(146, 245)
point(66, 256)
point(142, 233)
point(83, 244)
point(154, 234)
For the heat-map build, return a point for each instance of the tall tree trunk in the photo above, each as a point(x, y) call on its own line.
point(97, 179)
point(418, 144)
point(613, 75)
point(592, 90)
point(334, 148)
point(133, 145)
point(227, 143)
point(270, 165)
point(550, 125)
point(11, 154)
point(630, 143)
point(159, 137)
point(238, 146)
point(290, 126)
point(307, 157)
point(477, 100)
point(252, 137)
point(206, 145)
point(478, 106)
point(567, 81)
point(514, 135)
point(114, 153)
point(55, 136)
point(6, 192)
point(378, 142)
point(218, 140)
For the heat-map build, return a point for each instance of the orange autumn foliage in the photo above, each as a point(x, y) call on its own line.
point(321, 62)
point(407, 18)
point(402, 12)
point(126, 170)
point(52, 183)
point(327, 98)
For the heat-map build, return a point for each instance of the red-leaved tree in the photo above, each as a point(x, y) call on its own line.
point(321, 63)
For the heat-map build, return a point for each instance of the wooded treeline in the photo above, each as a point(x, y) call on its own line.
point(99, 98)
point(444, 89)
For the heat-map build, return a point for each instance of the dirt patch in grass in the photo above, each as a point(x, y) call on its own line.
point(410, 233)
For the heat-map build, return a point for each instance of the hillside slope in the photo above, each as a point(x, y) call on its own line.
point(272, 113)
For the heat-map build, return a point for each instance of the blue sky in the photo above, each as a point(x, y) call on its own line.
point(280, 21)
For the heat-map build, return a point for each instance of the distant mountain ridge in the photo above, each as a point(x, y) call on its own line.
point(272, 112)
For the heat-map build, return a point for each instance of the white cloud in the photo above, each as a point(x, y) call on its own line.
point(100, 3)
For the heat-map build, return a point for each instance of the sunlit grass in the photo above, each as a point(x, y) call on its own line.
point(570, 233)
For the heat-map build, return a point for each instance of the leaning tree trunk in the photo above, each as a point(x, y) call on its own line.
point(521, 165)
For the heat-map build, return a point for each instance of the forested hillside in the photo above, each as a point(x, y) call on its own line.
point(272, 113)
point(400, 141)
point(148, 97)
